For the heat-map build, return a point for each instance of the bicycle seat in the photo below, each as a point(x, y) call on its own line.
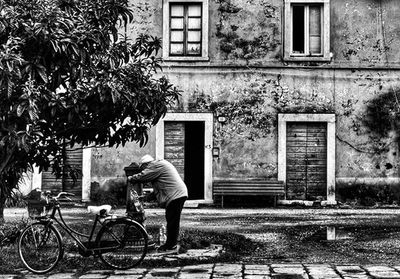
point(100, 210)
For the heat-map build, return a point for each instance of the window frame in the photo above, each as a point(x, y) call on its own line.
point(289, 55)
point(167, 32)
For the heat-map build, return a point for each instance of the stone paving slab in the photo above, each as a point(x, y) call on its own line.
point(62, 276)
point(321, 272)
point(257, 277)
point(232, 271)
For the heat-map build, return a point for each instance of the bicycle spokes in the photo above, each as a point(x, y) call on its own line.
point(40, 247)
point(122, 244)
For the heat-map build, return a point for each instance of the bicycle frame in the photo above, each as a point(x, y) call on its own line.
point(73, 233)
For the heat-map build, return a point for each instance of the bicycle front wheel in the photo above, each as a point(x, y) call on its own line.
point(40, 247)
point(122, 244)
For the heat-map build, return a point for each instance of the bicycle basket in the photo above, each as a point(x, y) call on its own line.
point(37, 209)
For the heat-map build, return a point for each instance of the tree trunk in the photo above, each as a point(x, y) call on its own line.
point(2, 202)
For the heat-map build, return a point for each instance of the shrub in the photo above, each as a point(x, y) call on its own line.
point(113, 192)
point(9, 232)
point(16, 199)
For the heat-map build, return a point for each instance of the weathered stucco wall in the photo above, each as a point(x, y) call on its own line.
point(250, 32)
point(251, 101)
point(247, 80)
point(365, 31)
point(107, 164)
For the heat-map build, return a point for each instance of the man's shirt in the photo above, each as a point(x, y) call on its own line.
point(165, 179)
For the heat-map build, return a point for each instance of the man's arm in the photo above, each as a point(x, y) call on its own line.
point(147, 175)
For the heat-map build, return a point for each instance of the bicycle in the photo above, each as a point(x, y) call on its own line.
point(121, 243)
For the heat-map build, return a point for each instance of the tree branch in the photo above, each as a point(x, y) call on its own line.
point(380, 150)
point(7, 157)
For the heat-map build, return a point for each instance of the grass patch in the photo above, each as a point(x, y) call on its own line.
point(235, 247)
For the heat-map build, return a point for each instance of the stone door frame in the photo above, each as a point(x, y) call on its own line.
point(330, 119)
point(207, 118)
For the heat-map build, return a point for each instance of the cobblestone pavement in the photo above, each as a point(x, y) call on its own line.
point(236, 271)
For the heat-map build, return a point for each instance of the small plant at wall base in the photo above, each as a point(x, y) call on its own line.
point(369, 195)
point(69, 77)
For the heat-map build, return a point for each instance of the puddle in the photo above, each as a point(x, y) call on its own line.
point(334, 234)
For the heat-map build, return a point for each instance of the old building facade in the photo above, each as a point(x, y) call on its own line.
point(271, 89)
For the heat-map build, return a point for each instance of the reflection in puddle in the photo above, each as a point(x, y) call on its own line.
point(333, 233)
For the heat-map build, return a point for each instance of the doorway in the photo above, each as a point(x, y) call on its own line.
point(196, 163)
point(184, 148)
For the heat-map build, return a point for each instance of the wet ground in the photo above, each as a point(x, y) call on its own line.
point(287, 235)
point(340, 236)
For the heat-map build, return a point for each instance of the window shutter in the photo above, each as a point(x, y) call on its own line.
point(315, 29)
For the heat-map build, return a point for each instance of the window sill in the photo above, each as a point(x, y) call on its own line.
point(186, 59)
point(307, 59)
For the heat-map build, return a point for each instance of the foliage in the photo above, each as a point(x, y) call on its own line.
point(9, 232)
point(67, 76)
point(16, 199)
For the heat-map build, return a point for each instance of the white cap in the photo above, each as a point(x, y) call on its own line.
point(146, 158)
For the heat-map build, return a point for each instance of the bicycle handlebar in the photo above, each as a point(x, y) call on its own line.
point(66, 194)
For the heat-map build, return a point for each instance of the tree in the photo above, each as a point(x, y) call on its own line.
point(68, 76)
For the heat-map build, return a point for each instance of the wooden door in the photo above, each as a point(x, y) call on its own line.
point(72, 166)
point(306, 155)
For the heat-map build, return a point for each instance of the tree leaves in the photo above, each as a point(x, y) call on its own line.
point(68, 76)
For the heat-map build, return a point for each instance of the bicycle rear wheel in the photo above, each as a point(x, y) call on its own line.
point(122, 244)
point(40, 247)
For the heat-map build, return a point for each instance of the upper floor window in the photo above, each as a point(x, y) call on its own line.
point(306, 30)
point(185, 30)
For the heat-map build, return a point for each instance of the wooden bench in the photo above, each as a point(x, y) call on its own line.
point(249, 187)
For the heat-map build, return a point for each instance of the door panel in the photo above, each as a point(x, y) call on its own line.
point(72, 159)
point(174, 145)
point(306, 154)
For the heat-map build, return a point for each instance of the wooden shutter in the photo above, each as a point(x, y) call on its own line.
point(73, 158)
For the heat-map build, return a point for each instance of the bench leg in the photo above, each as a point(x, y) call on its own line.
point(274, 201)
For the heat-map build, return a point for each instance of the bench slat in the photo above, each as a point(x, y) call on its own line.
point(249, 190)
point(249, 194)
point(244, 187)
point(248, 182)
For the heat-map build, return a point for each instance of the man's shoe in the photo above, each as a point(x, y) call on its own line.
point(165, 250)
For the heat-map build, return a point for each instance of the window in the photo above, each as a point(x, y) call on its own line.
point(185, 32)
point(185, 29)
point(307, 30)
